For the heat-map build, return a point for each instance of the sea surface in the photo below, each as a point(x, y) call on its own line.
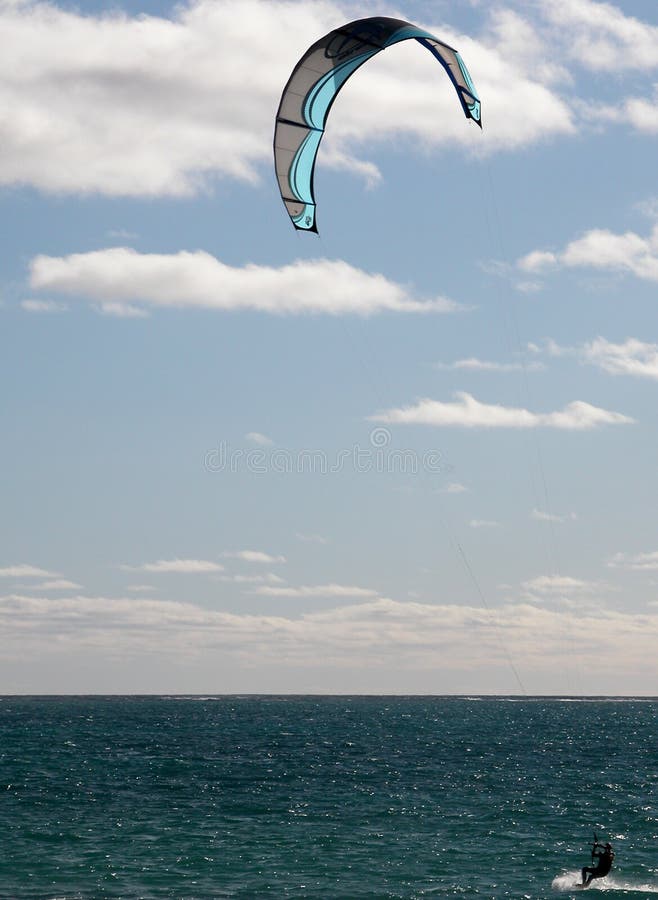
point(324, 797)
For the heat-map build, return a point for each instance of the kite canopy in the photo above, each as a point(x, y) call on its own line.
point(313, 86)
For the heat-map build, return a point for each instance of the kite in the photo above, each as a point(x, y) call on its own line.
point(312, 88)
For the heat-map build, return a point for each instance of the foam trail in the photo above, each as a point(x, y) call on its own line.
point(566, 883)
point(618, 884)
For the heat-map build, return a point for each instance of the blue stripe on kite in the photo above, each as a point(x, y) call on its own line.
point(467, 76)
point(319, 98)
point(301, 167)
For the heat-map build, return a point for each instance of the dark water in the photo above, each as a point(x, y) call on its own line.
point(323, 797)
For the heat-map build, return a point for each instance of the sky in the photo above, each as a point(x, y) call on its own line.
point(415, 453)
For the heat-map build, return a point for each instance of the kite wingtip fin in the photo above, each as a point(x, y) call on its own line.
point(312, 228)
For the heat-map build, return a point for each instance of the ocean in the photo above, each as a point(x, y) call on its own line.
point(325, 797)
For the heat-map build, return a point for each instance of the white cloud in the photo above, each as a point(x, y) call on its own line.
point(483, 365)
point(122, 234)
point(537, 261)
point(311, 538)
point(26, 571)
point(120, 277)
point(524, 44)
point(601, 37)
point(496, 267)
point(454, 487)
point(642, 114)
point(57, 584)
point(140, 588)
point(467, 412)
point(483, 523)
point(519, 105)
point(262, 440)
point(177, 566)
point(528, 287)
point(648, 207)
point(206, 105)
point(317, 590)
point(142, 105)
point(375, 633)
point(564, 591)
point(121, 310)
point(638, 562)
point(253, 556)
point(630, 357)
point(269, 578)
point(559, 584)
point(43, 306)
point(542, 516)
point(602, 249)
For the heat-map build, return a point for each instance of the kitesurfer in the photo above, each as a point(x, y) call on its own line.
point(602, 857)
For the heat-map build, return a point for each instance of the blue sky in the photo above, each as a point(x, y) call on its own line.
point(415, 453)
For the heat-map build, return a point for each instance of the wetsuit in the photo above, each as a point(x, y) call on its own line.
point(603, 865)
